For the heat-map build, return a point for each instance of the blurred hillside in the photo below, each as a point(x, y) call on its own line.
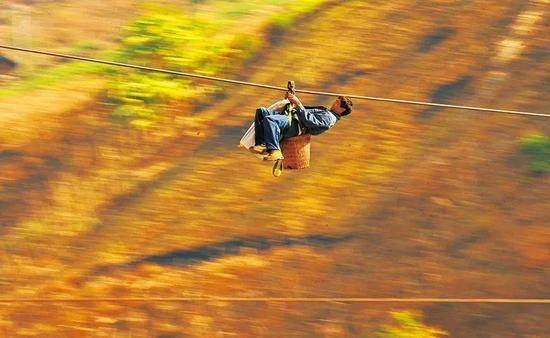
point(116, 183)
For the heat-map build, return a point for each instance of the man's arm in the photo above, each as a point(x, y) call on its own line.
point(309, 120)
point(279, 105)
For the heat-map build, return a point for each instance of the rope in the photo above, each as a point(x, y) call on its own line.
point(282, 299)
point(277, 299)
point(259, 85)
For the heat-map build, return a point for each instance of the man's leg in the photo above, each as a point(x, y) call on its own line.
point(275, 126)
point(292, 130)
point(261, 113)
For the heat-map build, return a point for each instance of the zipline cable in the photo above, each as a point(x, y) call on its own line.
point(276, 299)
point(282, 299)
point(213, 78)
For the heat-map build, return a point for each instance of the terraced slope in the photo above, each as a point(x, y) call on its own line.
point(399, 201)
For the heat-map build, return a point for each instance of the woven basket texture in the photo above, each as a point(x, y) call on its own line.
point(296, 151)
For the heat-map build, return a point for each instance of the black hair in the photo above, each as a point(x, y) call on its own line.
point(345, 103)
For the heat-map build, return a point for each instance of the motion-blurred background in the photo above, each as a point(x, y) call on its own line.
point(120, 183)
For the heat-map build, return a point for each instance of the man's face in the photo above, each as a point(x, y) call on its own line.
point(336, 107)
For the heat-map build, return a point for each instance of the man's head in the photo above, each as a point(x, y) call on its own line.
point(342, 106)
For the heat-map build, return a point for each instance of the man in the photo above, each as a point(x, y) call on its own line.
point(271, 127)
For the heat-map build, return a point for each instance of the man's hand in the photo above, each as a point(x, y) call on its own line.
point(293, 99)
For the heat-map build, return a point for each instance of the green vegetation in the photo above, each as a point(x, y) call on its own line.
point(285, 19)
point(91, 209)
point(162, 39)
point(52, 76)
point(63, 70)
point(537, 147)
point(409, 326)
point(206, 44)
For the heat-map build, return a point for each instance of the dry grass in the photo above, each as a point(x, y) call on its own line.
point(62, 27)
point(430, 216)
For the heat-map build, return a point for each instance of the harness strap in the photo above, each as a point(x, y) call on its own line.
point(290, 85)
point(289, 111)
point(300, 130)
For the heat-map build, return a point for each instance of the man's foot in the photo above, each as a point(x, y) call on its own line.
point(278, 168)
point(274, 155)
point(260, 150)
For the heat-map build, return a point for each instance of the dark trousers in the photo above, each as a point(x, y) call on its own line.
point(271, 127)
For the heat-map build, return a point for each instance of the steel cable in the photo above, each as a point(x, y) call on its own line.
point(259, 85)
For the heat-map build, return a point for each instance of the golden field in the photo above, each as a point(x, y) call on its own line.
point(399, 201)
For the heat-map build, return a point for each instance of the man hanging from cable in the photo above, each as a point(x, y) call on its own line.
point(272, 125)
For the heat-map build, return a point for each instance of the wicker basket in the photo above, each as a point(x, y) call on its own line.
point(296, 152)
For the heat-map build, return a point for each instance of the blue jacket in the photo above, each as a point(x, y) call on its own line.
point(316, 119)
